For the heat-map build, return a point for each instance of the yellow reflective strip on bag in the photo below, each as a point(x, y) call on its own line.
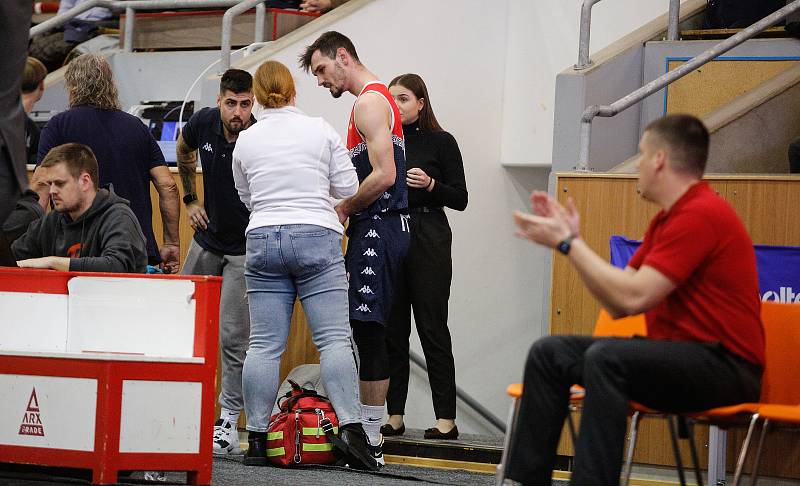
point(317, 447)
point(277, 451)
point(275, 435)
point(314, 431)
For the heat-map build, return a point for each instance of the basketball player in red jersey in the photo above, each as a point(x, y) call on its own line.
point(378, 230)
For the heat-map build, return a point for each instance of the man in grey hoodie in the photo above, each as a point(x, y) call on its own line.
point(91, 229)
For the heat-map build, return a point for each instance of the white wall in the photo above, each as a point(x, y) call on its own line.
point(491, 75)
point(542, 41)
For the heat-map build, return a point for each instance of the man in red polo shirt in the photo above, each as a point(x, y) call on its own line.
point(695, 278)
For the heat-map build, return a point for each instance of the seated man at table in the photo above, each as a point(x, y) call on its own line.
point(695, 278)
point(91, 229)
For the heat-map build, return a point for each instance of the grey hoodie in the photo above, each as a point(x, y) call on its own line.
point(106, 238)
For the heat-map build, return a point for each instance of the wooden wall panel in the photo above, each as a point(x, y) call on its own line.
point(609, 204)
point(718, 83)
point(203, 29)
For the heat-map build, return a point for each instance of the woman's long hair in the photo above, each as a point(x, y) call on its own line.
point(273, 85)
point(89, 81)
point(415, 84)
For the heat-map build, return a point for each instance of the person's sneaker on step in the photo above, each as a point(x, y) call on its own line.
point(356, 450)
point(377, 452)
point(256, 449)
point(226, 438)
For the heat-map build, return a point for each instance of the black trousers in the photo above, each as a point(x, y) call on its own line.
point(424, 286)
point(664, 375)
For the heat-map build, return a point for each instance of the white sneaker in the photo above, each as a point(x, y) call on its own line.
point(226, 438)
point(377, 451)
point(160, 476)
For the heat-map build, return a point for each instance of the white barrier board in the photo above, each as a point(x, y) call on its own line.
point(153, 317)
point(160, 416)
point(47, 411)
point(33, 322)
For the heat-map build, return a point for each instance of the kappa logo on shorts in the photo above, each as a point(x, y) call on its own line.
point(368, 271)
point(372, 234)
point(366, 290)
point(363, 308)
point(207, 148)
point(370, 252)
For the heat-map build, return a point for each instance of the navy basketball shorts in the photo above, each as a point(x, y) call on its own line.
point(376, 249)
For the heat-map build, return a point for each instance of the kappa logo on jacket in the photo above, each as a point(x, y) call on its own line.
point(368, 271)
point(363, 308)
point(370, 252)
point(372, 234)
point(207, 147)
point(366, 290)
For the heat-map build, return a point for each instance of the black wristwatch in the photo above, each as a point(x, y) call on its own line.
point(189, 198)
point(565, 244)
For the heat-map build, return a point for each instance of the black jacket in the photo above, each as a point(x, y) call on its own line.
point(106, 238)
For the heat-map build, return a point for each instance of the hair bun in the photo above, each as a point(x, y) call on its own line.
point(275, 100)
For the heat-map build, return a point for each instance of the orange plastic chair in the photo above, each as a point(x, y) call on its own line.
point(606, 326)
point(780, 384)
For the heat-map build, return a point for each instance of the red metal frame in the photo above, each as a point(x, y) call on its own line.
point(106, 460)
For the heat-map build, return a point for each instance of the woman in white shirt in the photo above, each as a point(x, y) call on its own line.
point(289, 168)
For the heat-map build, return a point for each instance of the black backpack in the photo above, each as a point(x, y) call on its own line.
point(738, 14)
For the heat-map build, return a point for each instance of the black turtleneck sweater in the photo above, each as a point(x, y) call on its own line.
point(437, 154)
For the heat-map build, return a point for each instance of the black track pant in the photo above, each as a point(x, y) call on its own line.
point(664, 375)
point(424, 284)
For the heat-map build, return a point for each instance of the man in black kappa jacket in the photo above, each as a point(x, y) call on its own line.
point(91, 229)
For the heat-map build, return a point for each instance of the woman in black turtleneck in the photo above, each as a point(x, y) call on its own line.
point(435, 177)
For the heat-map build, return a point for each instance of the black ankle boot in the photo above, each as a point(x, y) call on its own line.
point(257, 450)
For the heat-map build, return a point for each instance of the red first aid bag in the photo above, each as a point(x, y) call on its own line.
point(298, 434)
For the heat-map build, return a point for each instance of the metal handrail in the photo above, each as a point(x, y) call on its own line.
point(584, 61)
point(661, 82)
point(464, 397)
point(227, 29)
point(131, 6)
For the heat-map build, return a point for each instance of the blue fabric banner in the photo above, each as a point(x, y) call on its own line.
point(778, 268)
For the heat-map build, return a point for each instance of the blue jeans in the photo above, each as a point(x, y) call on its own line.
point(282, 263)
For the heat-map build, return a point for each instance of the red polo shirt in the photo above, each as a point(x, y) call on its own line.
point(702, 246)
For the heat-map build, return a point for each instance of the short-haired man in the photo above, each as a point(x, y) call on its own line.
point(219, 222)
point(128, 155)
point(378, 212)
point(695, 278)
point(32, 91)
point(91, 229)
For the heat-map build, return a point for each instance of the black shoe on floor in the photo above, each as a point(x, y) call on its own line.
point(434, 433)
point(257, 451)
point(388, 431)
point(351, 446)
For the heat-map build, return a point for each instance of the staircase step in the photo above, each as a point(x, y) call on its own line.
point(705, 34)
point(486, 449)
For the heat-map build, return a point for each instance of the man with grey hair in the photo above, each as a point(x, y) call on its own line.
point(129, 157)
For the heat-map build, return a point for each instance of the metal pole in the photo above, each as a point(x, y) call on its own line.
point(674, 20)
point(118, 5)
point(659, 83)
point(130, 24)
point(227, 29)
point(464, 397)
point(585, 31)
point(261, 18)
point(717, 445)
point(65, 17)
